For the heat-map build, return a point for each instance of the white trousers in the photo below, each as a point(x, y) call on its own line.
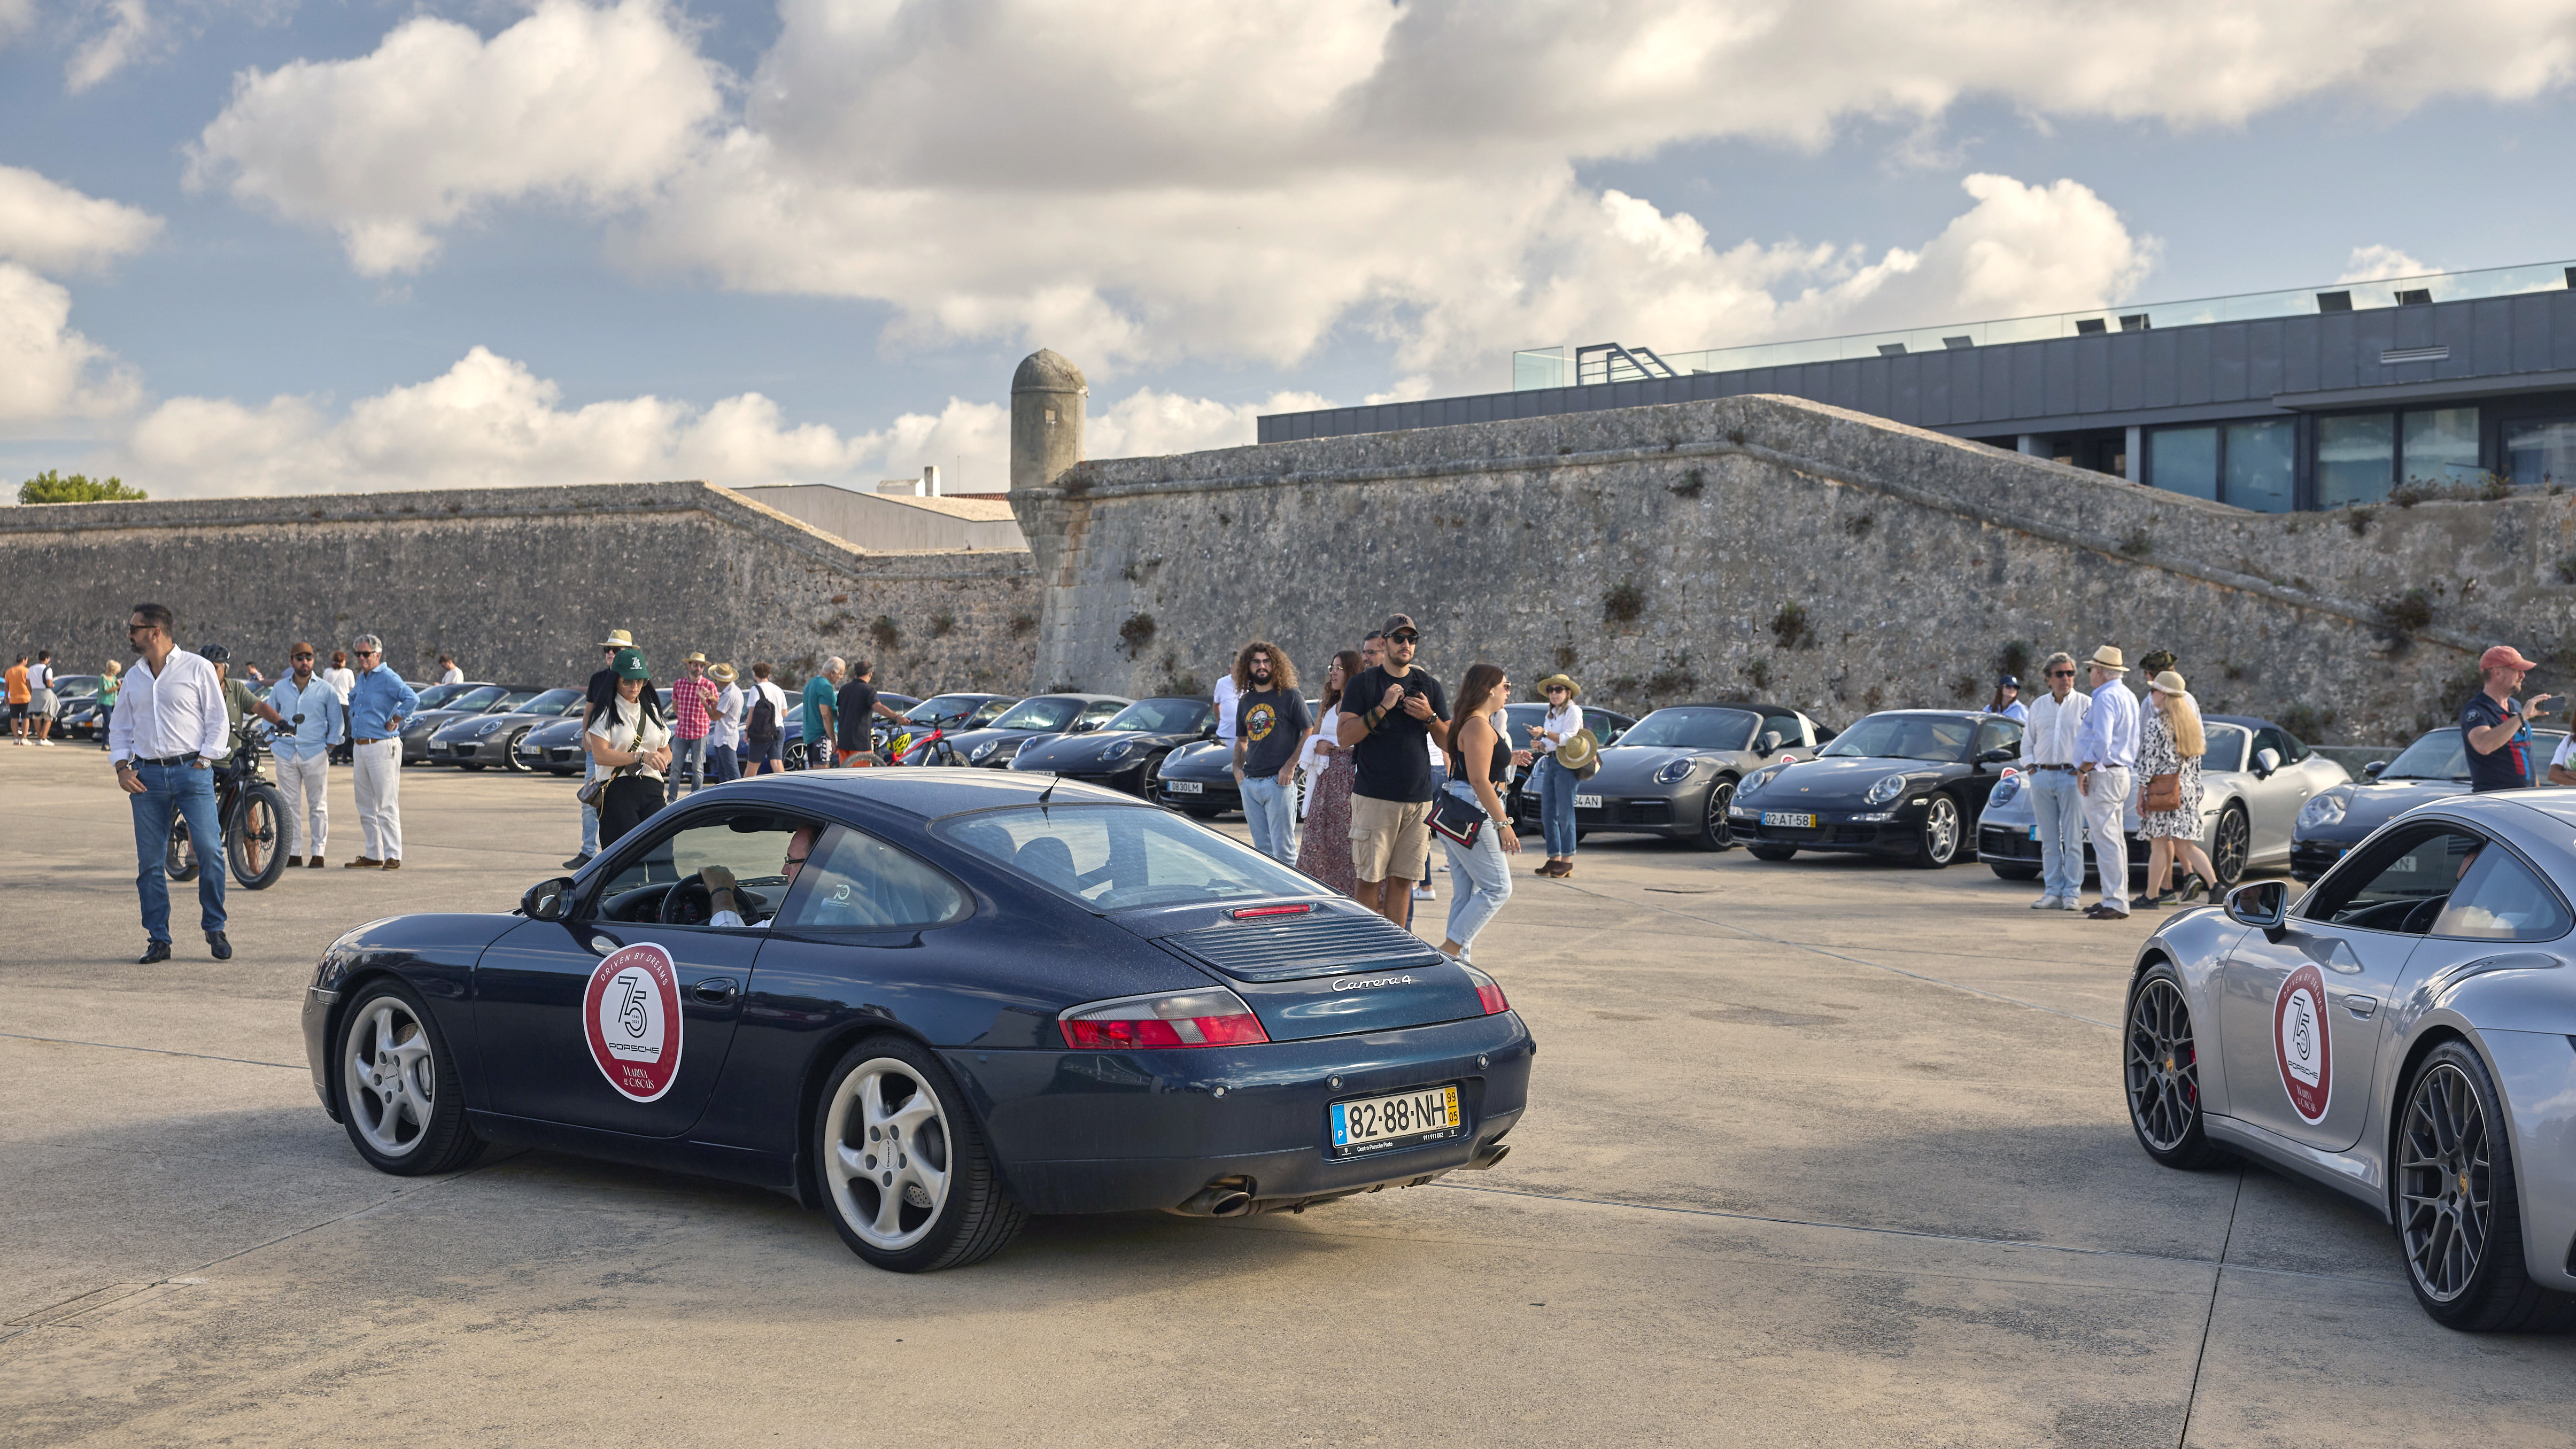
point(2106, 808)
point(308, 814)
point(379, 779)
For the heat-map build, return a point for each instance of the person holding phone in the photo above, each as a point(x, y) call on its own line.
point(1386, 716)
point(308, 729)
point(2496, 727)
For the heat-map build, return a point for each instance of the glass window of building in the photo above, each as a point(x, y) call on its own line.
point(2540, 452)
point(2441, 446)
point(2356, 459)
point(2262, 465)
point(2184, 460)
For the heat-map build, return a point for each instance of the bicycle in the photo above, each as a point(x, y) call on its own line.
point(253, 816)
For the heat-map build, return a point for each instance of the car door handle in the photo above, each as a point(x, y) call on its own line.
point(604, 946)
point(2362, 1007)
point(715, 990)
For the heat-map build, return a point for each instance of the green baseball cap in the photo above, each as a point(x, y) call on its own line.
point(629, 664)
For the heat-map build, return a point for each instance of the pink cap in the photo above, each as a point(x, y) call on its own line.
point(2503, 656)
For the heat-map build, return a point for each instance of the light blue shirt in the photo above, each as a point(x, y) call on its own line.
point(2017, 711)
point(379, 699)
point(2109, 737)
point(319, 703)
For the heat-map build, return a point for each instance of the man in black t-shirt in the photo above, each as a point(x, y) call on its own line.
point(1270, 726)
point(2496, 729)
point(1388, 711)
point(855, 711)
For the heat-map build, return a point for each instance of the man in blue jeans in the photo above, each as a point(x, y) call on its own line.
point(2048, 758)
point(1270, 725)
point(168, 730)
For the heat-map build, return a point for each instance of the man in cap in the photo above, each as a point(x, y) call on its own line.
point(377, 707)
point(602, 688)
point(724, 740)
point(2495, 726)
point(693, 716)
point(2106, 756)
point(1389, 713)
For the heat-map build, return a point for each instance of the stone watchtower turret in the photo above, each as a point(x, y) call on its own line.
point(1048, 395)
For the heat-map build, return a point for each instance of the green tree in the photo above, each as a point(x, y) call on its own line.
point(51, 487)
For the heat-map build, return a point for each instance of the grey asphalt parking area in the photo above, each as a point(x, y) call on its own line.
point(1818, 1154)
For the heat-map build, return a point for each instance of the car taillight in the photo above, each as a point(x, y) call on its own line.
point(1489, 992)
point(1176, 1019)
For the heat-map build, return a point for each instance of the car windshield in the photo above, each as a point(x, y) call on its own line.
point(1164, 716)
point(2225, 747)
point(1940, 737)
point(554, 701)
point(1119, 856)
point(515, 700)
point(437, 695)
point(2438, 755)
point(479, 697)
point(943, 709)
point(1693, 729)
point(76, 686)
point(1047, 712)
point(989, 711)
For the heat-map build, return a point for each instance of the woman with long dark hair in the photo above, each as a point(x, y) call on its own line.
point(1324, 850)
point(628, 739)
point(1480, 880)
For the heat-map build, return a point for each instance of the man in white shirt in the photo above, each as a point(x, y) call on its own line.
point(2048, 745)
point(2106, 757)
point(168, 730)
point(724, 738)
point(40, 706)
point(308, 725)
point(448, 673)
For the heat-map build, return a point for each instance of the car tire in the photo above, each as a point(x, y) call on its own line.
point(179, 859)
point(1772, 852)
point(2228, 847)
point(935, 1201)
point(254, 846)
point(2014, 872)
point(1715, 833)
point(510, 755)
point(2161, 1073)
point(1936, 840)
point(1152, 778)
point(2464, 1256)
point(400, 1096)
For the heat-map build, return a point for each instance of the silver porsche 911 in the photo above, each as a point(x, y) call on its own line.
point(2406, 1033)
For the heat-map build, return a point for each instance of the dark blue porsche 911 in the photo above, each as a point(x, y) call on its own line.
point(929, 1002)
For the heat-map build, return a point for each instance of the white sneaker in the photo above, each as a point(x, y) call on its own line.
point(1425, 893)
point(2044, 903)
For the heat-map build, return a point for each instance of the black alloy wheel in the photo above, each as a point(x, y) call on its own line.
point(2459, 1220)
point(1716, 832)
point(2228, 847)
point(254, 844)
point(1936, 840)
point(1772, 852)
point(2163, 1074)
point(510, 755)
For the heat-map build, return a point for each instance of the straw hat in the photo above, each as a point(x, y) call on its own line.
point(2168, 683)
point(1552, 681)
point(2108, 657)
point(721, 674)
point(693, 657)
point(618, 639)
point(1580, 749)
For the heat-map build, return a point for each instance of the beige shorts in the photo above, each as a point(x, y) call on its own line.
point(1390, 839)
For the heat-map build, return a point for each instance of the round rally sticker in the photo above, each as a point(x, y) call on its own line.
point(2301, 1045)
point(631, 1014)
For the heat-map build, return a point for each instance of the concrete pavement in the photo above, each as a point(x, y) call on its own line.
point(1818, 1153)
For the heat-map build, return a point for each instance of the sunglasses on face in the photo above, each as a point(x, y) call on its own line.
point(307, 658)
point(2061, 674)
point(366, 654)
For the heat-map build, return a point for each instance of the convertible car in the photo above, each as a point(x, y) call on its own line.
point(1127, 752)
point(928, 1002)
point(1674, 773)
point(2435, 767)
point(473, 699)
point(493, 739)
point(1607, 726)
point(2256, 780)
point(1903, 782)
point(2400, 1034)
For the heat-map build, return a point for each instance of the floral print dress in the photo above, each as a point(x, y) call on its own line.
point(2157, 756)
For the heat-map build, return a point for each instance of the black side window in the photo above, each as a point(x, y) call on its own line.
point(1786, 726)
point(2501, 899)
point(859, 883)
point(1097, 713)
point(2278, 743)
point(2401, 885)
point(1998, 734)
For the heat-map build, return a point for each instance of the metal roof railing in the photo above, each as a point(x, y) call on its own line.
point(1540, 367)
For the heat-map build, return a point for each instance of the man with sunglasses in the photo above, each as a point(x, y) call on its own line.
point(376, 710)
point(2049, 742)
point(168, 729)
point(308, 711)
point(1387, 715)
point(726, 896)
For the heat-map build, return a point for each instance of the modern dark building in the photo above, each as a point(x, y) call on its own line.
point(2274, 401)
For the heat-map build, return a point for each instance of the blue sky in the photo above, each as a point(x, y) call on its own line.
point(754, 242)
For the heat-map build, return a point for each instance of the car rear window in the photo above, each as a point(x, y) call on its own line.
point(1906, 737)
point(1114, 857)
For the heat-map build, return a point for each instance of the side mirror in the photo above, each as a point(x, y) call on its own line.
point(1999, 755)
point(545, 900)
point(2264, 905)
point(2374, 768)
point(2265, 762)
point(1769, 744)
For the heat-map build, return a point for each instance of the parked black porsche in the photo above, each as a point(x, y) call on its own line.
point(1040, 716)
point(1127, 752)
point(469, 700)
point(928, 1002)
point(2434, 767)
point(1903, 782)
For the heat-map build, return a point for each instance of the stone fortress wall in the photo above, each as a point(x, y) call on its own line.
point(519, 583)
point(1766, 547)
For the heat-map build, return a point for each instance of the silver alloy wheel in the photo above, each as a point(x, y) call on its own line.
point(2445, 1182)
point(889, 1165)
point(389, 1079)
point(1941, 829)
point(2164, 1066)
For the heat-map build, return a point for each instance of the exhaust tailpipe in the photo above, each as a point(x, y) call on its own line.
point(1235, 1204)
point(1227, 1197)
point(1489, 1154)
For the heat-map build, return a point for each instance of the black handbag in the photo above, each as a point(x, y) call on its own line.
point(1461, 818)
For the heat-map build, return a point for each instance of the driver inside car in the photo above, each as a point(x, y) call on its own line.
point(728, 897)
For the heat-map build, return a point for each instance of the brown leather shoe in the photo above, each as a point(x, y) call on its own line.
point(293, 861)
point(314, 864)
point(394, 864)
point(363, 863)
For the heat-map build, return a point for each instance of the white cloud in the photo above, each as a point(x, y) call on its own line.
point(53, 228)
point(1151, 424)
point(589, 105)
point(127, 31)
point(17, 17)
point(48, 372)
point(2377, 264)
point(1155, 179)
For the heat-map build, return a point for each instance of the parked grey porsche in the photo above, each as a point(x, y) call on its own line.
point(2399, 1034)
point(1674, 772)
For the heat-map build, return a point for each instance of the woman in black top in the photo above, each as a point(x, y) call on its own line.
point(1480, 880)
